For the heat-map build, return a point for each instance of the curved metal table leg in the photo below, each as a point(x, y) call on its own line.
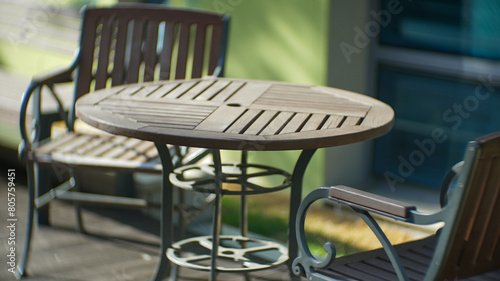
point(166, 218)
point(217, 220)
point(244, 201)
point(295, 199)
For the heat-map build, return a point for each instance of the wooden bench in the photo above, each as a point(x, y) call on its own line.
point(467, 247)
point(120, 45)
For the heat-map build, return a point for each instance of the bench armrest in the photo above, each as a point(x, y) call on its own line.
point(362, 203)
point(370, 202)
point(58, 76)
point(34, 88)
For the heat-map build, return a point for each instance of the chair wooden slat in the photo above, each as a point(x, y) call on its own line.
point(56, 143)
point(118, 73)
point(353, 273)
point(215, 47)
point(491, 239)
point(150, 54)
point(128, 155)
point(495, 255)
point(182, 51)
point(131, 143)
point(381, 270)
point(114, 152)
point(105, 146)
point(199, 50)
point(98, 149)
point(165, 57)
point(107, 151)
point(104, 36)
point(416, 271)
point(85, 76)
point(414, 262)
point(135, 57)
point(426, 251)
point(484, 217)
point(89, 146)
point(74, 144)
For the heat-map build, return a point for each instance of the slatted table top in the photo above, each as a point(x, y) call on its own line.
point(236, 114)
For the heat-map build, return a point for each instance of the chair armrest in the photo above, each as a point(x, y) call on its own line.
point(62, 76)
point(58, 76)
point(384, 206)
point(362, 203)
point(371, 202)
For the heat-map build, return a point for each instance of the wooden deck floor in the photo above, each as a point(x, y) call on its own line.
point(109, 252)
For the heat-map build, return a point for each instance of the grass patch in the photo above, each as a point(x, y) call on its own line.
point(272, 225)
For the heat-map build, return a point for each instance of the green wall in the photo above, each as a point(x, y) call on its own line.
point(284, 40)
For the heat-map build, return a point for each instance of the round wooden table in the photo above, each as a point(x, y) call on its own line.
point(235, 114)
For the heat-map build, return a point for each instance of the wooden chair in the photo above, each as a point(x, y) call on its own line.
point(119, 45)
point(467, 246)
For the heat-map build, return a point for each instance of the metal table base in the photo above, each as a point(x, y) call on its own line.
point(243, 250)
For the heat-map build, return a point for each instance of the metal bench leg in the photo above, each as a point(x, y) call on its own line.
point(43, 182)
point(77, 206)
point(21, 267)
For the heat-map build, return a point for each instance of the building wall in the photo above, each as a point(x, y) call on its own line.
point(349, 68)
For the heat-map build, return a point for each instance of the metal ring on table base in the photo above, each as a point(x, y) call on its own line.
point(242, 252)
point(245, 254)
point(202, 178)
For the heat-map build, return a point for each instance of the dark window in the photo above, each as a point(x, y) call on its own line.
point(463, 27)
point(460, 110)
